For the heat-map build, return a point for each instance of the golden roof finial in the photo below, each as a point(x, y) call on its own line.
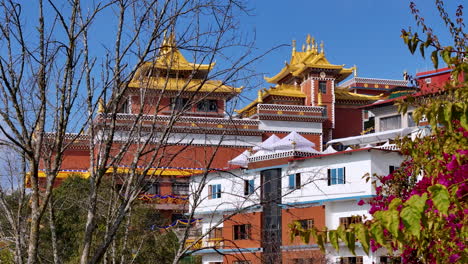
point(100, 105)
point(355, 70)
point(293, 46)
point(308, 41)
point(322, 50)
point(303, 47)
point(260, 99)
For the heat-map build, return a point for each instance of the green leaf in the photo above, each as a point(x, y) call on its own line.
point(320, 241)
point(391, 221)
point(440, 197)
point(412, 212)
point(446, 54)
point(435, 59)
point(363, 235)
point(394, 204)
point(376, 231)
point(351, 239)
point(306, 237)
point(421, 49)
point(334, 239)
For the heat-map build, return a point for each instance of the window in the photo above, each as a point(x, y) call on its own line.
point(152, 188)
point(428, 80)
point(249, 187)
point(351, 260)
point(391, 169)
point(303, 261)
point(125, 106)
point(214, 191)
point(389, 123)
point(346, 221)
point(241, 232)
point(180, 188)
point(294, 181)
point(207, 106)
point(325, 110)
point(216, 233)
point(323, 87)
point(390, 260)
point(178, 103)
point(411, 122)
point(242, 262)
point(306, 223)
point(336, 176)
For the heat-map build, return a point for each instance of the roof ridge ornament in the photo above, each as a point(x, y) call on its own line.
point(293, 46)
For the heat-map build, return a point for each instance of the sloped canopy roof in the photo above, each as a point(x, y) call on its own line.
point(267, 144)
point(329, 150)
point(294, 141)
point(242, 159)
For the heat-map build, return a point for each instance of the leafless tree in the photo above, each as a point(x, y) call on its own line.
point(59, 73)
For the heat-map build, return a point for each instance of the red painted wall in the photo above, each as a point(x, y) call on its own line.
point(348, 122)
point(254, 219)
point(317, 213)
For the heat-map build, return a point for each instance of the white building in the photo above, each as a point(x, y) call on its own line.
point(285, 181)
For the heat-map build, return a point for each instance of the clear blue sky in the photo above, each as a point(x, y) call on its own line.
point(361, 32)
point(365, 33)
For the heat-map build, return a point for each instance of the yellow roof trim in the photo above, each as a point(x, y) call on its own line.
point(301, 61)
point(345, 95)
point(279, 90)
point(162, 172)
point(193, 85)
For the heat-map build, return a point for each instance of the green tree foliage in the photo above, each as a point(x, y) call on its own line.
point(136, 241)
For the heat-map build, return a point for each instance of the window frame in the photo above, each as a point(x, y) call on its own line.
point(249, 187)
point(386, 118)
point(178, 103)
point(214, 191)
point(294, 181)
point(152, 186)
point(205, 106)
point(348, 220)
point(176, 191)
point(320, 88)
point(239, 234)
point(307, 223)
point(334, 177)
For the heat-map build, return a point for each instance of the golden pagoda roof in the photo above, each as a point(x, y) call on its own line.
point(178, 84)
point(279, 90)
point(310, 57)
point(342, 94)
point(170, 58)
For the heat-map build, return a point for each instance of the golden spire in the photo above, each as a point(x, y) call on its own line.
point(303, 47)
point(308, 41)
point(259, 99)
point(322, 50)
point(293, 46)
point(168, 43)
point(355, 70)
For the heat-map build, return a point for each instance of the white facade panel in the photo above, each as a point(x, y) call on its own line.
point(286, 126)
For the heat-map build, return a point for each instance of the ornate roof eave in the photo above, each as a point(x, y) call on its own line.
point(252, 104)
point(194, 85)
point(345, 95)
point(283, 73)
point(168, 65)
